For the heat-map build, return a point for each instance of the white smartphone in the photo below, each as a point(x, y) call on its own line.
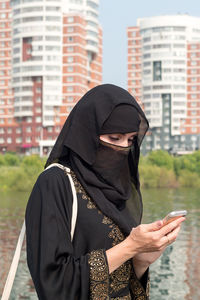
point(173, 215)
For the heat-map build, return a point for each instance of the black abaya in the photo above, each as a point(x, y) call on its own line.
point(78, 270)
point(65, 270)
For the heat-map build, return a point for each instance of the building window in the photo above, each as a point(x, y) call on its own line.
point(194, 129)
point(70, 29)
point(193, 113)
point(70, 98)
point(9, 140)
point(193, 121)
point(70, 19)
point(70, 69)
point(49, 129)
point(70, 79)
point(9, 130)
point(38, 119)
point(38, 128)
point(28, 139)
point(70, 49)
point(157, 70)
point(70, 88)
point(38, 109)
point(18, 140)
point(70, 59)
point(18, 130)
point(28, 129)
point(38, 99)
point(29, 119)
point(70, 39)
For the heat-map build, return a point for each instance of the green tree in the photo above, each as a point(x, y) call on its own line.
point(11, 159)
point(160, 158)
point(189, 179)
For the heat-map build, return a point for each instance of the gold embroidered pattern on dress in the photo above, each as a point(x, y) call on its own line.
point(80, 190)
point(120, 277)
point(101, 281)
point(99, 275)
point(148, 287)
point(138, 292)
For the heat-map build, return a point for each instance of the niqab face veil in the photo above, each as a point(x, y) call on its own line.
point(101, 111)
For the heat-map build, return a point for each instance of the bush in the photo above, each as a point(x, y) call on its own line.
point(32, 161)
point(189, 179)
point(149, 176)
point(11, 159)
point(167, 179)
point(19, 175)
point(2, 162)
point(152, 176)
point(160, 158)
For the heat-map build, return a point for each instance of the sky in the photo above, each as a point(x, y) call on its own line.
point(117, 15)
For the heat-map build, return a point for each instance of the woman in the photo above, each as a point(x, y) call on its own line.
point(110, 252)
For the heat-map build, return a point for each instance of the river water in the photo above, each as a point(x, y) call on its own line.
point(175, 276)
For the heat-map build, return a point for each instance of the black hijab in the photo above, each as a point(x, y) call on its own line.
point(104, 109)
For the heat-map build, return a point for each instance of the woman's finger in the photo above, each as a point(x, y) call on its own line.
point(171, 237)
point(157, 225)
point(171, 226)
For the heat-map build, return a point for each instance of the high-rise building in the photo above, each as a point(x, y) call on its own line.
point(56, 57)
point(164, 74)
point(7, 122)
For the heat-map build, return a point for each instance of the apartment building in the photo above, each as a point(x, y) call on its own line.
point(164, 74)
point(8, 126)
point(55, 57)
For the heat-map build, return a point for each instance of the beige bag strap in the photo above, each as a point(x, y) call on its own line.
point(13, 267)
point(15, 261)
point(75, 202)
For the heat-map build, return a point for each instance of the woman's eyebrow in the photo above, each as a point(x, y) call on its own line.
point(134, 134)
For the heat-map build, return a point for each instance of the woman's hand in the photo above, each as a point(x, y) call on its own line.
point(144, 244)
point(155, 236)
point(142, 260)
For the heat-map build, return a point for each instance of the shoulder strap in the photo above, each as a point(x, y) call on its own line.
point(75, 202)
point(13, 267)
point(15, 261)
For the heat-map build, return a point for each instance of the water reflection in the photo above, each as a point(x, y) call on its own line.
point(11, 218)
point(175, 276)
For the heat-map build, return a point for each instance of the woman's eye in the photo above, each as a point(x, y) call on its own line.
point(113, 138)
